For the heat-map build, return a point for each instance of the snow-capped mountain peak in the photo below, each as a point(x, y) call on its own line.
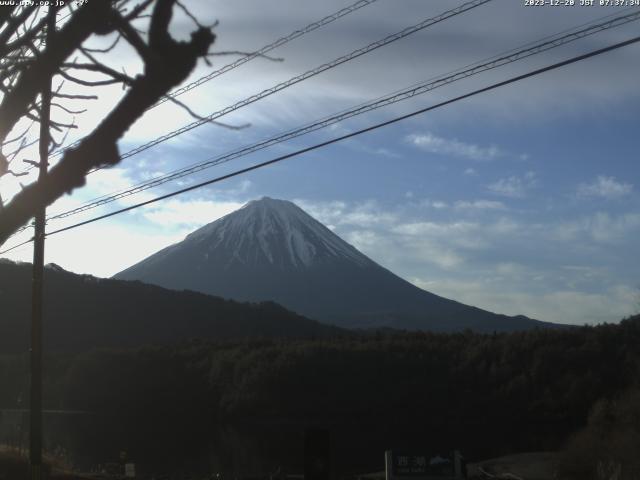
point(272, 250)
point(273, 231)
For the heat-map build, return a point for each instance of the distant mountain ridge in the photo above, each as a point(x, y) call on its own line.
point(82, 312)
point(272, 250)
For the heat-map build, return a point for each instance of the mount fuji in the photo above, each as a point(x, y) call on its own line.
point(273, 250)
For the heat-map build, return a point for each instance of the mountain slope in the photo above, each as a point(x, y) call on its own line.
point(273, 250)
point(83, 312)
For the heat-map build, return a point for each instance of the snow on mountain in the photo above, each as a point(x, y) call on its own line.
point(275, 231)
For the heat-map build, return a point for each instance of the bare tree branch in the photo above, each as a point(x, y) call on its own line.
point(99, 67)
point(76, 97)
point(135, 13)
point(19, 136)
point(133, 37)
point(26, 38)
point(88, 83)
point(167, 64)
point(68, 110)
point(13, 23)
point(189, 14)
point(75, 32)
point(106, 49)
point(200, 117)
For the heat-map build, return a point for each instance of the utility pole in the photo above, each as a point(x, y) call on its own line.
point(35, 424)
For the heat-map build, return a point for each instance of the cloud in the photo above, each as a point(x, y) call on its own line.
point(443, 146)
point(102, 249)
point(447, 236)
point(130, 240)
point(178, 212)
point(601, 227)
point(188, 214)
point(514, 186)
point(241, 188)
point(360, 215)
point(435, 229)
point(605, 187)
point(389, 239)
point(555, 270)
point(437, 204)
point(479, 205)
point(577, 307)
point(464, 205)
point(389, 249)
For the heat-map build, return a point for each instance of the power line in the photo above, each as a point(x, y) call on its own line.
point(344, 137)
point(304, 76)
point(267, 48)
point(16, 246)
point(358, 132)
point(417, 89)
point(259, 53)
point(544, 44)
point(308, 74)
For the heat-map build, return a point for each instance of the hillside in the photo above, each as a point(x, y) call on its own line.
point(82, 312)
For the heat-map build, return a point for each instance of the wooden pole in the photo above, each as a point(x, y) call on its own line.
point(35, 424)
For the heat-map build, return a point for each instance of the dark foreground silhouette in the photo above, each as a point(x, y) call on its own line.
point(241, 406)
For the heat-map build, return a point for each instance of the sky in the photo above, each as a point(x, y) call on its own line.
point(522, 200)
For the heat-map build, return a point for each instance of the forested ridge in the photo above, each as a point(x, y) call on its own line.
point(510, 391)
point(82, 312)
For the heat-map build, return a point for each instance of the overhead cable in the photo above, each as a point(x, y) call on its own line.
point(247, 58)
point(308, 74)
point(414, 90)
point(356, 133)
point(267, 48)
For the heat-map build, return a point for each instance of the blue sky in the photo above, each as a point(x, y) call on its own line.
point(523, 200)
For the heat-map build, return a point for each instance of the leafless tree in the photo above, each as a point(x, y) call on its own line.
point(26, 60)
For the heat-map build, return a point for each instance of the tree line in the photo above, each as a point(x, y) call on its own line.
point(494, 393)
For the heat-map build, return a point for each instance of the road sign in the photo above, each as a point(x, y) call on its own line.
point(130, 470)
point(422, 466)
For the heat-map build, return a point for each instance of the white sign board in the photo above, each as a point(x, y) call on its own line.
point(130, 470)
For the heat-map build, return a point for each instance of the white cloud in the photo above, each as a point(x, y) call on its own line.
point(162, 223)
point(433, 228)
point(174, 213)
point(563, 306)
point(189, 214)
point(365, 240)
point(464, 205)
point(600, 227)
point(83, 250)
point(437, 204)
point(561, 271)
point(361, 215)
point(434, 253)
point(479, 205)
point(102, 249)
point(391, 250)
point(604, 187)
point(240, 189)
point(514, 186)
point(443, 146)
point(511, 269)
point(450, 237)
